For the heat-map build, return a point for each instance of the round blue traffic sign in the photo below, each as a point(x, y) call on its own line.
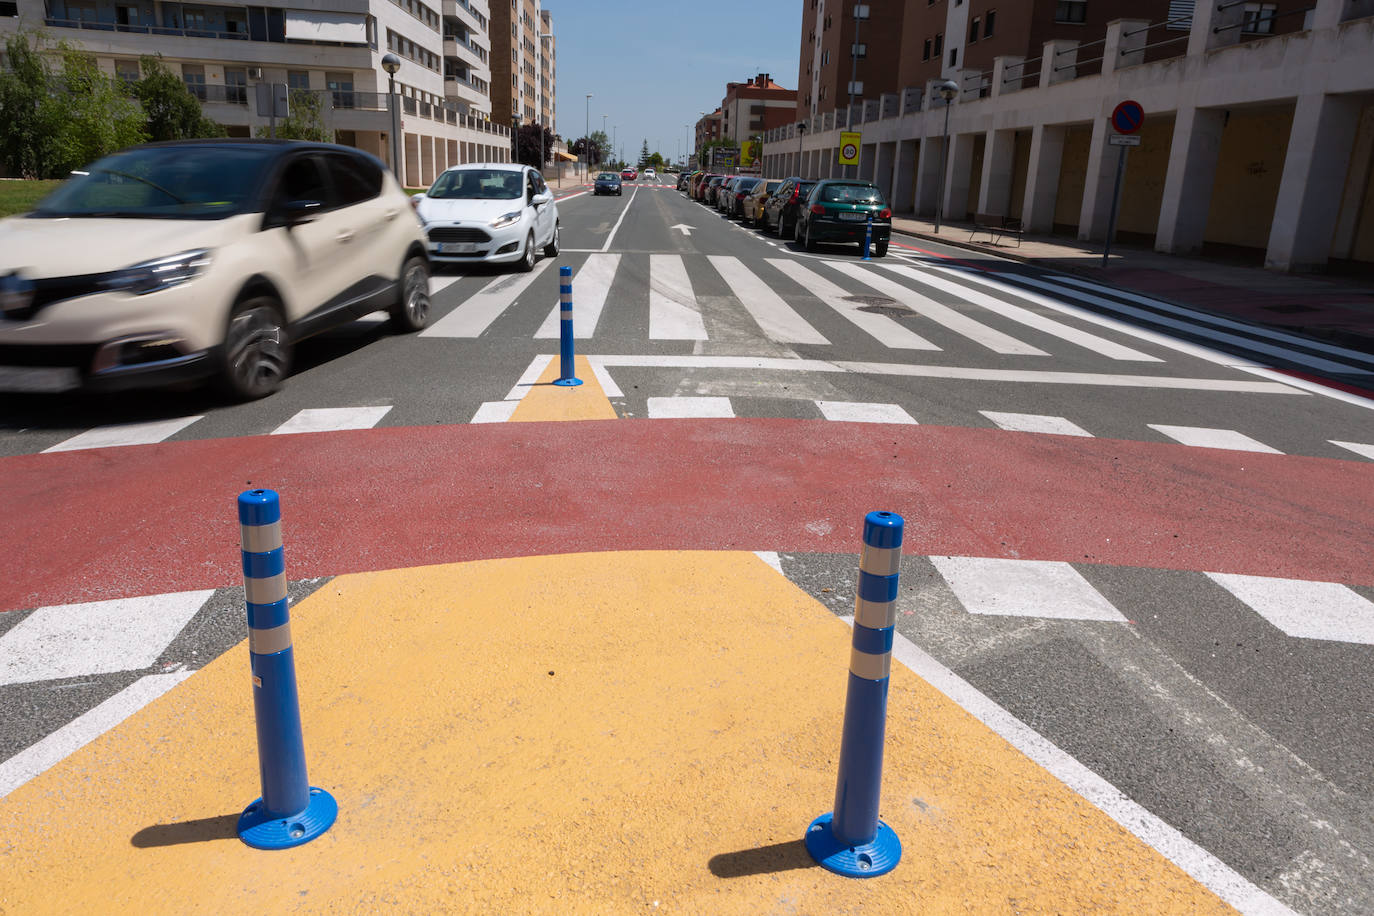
point(1127, 117)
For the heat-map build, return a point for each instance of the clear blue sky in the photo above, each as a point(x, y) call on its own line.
point(652, 68)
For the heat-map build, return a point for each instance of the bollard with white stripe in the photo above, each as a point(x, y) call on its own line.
point(290, 811)
point(851, 840)
point(567, 373)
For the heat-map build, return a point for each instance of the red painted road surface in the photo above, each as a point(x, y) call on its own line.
point(137, 520)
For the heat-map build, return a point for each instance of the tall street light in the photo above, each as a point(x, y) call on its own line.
point(586, 136)
point(860, 14)
point(542, 36)
point(391, 63)
point(947, 90)
point(801, 135)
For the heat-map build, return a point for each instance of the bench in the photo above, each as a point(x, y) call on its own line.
point(996, 226)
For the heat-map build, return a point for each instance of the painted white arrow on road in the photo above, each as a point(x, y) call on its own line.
point(686, 229)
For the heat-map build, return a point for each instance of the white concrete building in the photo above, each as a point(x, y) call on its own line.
point(331, 49)
point(1250, 142)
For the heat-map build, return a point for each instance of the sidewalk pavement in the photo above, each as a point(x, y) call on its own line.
point(1335, 309)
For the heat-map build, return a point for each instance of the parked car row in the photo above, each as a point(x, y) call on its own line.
point(807, 210)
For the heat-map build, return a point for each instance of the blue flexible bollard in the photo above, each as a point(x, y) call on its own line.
point(851, 840)
point(567, 373)
point(290, 811)
point(868, 235)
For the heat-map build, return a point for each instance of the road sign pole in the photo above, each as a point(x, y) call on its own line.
point(1116, 202)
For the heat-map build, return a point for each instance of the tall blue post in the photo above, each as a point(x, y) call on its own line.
point(290, 811)
point(567, 373)
point(851, 840)
point(868, 235)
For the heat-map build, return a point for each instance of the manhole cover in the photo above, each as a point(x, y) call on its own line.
point(880, 305)
point(871, 300)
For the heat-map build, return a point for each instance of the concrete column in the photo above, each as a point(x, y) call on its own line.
point(882, 168)
point(836, 170)
point(928, 175)
point(1361, 173)
point(1042, 177)
point(958, 176)
point(1207, 19)
point(1007, 73)
point(1099, 183)
point(970, 84)
point(904, 176)
point(1058, 54)
point(1188, 181)
point(1125, 38)
point(999, 155)
point(1331, 13)
point(1314, 170)
point(868, 161)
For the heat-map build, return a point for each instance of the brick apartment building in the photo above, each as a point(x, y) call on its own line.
point(523, 67)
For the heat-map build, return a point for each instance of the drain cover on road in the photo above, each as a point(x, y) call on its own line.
point(881, 305)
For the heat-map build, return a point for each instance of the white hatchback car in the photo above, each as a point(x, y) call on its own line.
point(493, 213)
point(651, 175)
point(205, 258)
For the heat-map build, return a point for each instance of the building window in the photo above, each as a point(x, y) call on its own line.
point(973, 30)
point(1071, 11)
point(925, 50)
point(954, 57)
point(939, 44)
point(859, 50)
point(298, 79)
point(127, 70)
point(236, 85)
point(990, 19)
point(1259, 18)
point(193, 75)
point(8, 8)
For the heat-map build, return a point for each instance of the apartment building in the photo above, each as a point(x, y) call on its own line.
point(754, 106)
point(837, 49)
point(708, 128)
point(523, 66)
point(223, 50)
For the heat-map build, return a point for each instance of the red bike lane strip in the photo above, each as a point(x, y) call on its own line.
point(119, 522)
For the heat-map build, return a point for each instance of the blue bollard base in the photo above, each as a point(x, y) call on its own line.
point(568, 382)
point(262, 831)
point(868, 860)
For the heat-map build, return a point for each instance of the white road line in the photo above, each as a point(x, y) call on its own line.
point(1048, 589)
point(124, 434)
point(770, 557)
point(530, 377)
point(603, 378)
point(332, 419)
point(495, 411)
point(884, 329)
point(1035, 423)
point(927, 308)
point(616, 227)
point(718, 362)
point(477, 313)
point(1314, 362)
point(55, 747)
point(97, 637)
point(1358, 448)
point(1307, 385)
point(1203, 437)
point(853, 412)
point(439, 284)
point(673, 310)
point(591, 285)
point(1098, 345)
point(778, 320)
point(1307, 610)
point(1069, 378)
point(689, 408)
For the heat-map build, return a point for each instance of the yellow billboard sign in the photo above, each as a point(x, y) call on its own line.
point(748, 153)
point(849, 147)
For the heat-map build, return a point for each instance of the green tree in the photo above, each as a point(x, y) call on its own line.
point(644, 154)
point(305, 122)
point(28, 123)
point(98, 116)
point(172, 112)
point(528, 144)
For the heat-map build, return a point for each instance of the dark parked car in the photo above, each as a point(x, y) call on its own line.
point(607, 183)
point(734, 204)
point(780, 210)
point(839, 211)
point(712, 186)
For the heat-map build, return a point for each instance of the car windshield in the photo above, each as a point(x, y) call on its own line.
point(746, 184)
point(477, 184)
point(163, 182)
point(851, 194)
point(607, 176)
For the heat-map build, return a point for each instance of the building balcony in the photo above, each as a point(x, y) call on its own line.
point(460, 10)
point(466, 50)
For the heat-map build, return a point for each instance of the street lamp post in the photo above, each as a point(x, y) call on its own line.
point(801, 136)
point(586, 137)
point(947, 89)
point(860, 14)
point(391, 63)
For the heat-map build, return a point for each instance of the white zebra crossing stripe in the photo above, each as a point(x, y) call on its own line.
point(1024, 588)
point(778, 320)
point(476, 314)
point(1308, 610)
point(98, 637)
point(495, 411)
point(1358, 448)
point(1098, 345)
point(689, 408)
point(853, 412)
point(673, 310)
point(884, 329)
point(332, 419)
point(957, 322)
point(439, 284)
point(1203, 437)
point(124, 434)
point(1035, 423)
point(591, 286)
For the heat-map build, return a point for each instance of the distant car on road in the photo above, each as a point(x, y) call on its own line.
point(651, 175)
point(607, 183)
point(629, 174)
point(839, 211)
point(494, 213)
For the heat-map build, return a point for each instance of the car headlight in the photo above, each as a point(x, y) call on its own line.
point(151, 276)
point(507, 219)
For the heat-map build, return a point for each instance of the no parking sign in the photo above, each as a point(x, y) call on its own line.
point(1127, 117)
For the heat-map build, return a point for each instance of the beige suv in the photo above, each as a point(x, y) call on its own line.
point(203, 259)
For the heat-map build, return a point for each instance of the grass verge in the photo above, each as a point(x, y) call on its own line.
point(20, 196)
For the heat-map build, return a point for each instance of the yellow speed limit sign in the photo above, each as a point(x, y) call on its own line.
point(849, 147)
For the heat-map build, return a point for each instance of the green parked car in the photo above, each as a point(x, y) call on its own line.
point(838, 211)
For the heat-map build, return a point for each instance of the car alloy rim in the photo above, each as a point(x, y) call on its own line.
point(529, 250)
point(417, 294)
point(257, 356)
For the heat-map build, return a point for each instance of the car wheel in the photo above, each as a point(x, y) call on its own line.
point(551, 249)
point(527, 258)
point(411, 310)
point(256, 354)
point(808, 243)
point(880, 250)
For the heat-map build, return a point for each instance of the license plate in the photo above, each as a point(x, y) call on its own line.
point(856, 217)
point(38, 378)
point(455, 247)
